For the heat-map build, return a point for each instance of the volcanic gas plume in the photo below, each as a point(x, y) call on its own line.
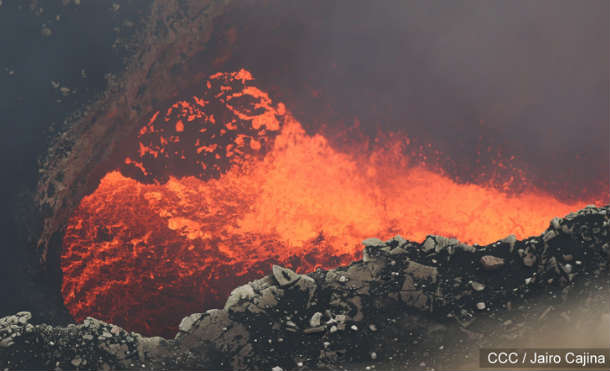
point(220, 186)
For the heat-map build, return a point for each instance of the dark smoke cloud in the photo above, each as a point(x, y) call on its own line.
point(43, 43)
point(530, 78)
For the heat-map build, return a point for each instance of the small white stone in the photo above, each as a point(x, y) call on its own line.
point(354, 327)
point(480, 305)
point(76, 362)
point(315, 320)
point(477, 286)
point(373, 356)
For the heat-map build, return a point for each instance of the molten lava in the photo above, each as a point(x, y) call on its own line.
point(223, 185)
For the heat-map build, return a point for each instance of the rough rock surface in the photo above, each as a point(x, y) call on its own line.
point(78, 157)
point(292, 321)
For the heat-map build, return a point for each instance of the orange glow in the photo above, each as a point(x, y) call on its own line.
point(144, 255)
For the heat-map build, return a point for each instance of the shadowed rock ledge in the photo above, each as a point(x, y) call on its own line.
point(418, 291)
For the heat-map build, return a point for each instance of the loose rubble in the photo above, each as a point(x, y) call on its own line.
point(287, 320)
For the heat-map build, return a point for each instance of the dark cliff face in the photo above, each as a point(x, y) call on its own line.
point(56, 58)
point(533, 85)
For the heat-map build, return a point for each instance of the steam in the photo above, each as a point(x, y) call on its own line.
point(527, 79)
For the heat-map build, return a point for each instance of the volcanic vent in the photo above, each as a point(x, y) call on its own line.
point(219, 186)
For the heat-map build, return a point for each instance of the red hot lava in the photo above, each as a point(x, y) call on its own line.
point(221, 186)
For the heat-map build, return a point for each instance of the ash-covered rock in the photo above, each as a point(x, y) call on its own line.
point(91, 345)
point(349, 314)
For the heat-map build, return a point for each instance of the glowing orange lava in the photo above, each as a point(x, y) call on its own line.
point(146, 249)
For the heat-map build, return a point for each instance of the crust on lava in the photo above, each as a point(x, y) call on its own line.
point(87, 148)
point(425, 295)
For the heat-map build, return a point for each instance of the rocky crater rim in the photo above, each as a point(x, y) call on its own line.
point(291, 320)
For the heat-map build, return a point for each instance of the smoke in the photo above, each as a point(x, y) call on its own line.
point(527, 79)
point(55, 58)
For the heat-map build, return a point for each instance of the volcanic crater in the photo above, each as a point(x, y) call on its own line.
point(199, 169)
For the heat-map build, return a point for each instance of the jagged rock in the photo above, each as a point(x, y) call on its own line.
point(187, 322)
point(413, 291)
point(373, 249)
point(398, 240)
point(316, 319)
point(6, 342)
point(439, 243)
point(398, 251)
point(307, 286)
point(321, 320)
point(510, 240)
point(284, 276)
point(529, 259)
point(556, 223)
point(549, 235)
point(490, 262)
point(240, 298)
point(23, 317)
point(429, 244)
point(373, 242)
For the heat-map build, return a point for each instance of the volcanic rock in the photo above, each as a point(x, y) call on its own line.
point(477, 286)
point(346, 314)
point(373, 242)
point(187, 322)
point(529, 259)
point(240, 298)
point(510, 240)
point(315, 319)
point(491, 262)
point(413, 291)
point(397, 251)
point(284, 276)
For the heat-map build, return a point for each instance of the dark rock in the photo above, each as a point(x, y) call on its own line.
point(490, 262)
point(287, 319)
point(285, 276)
